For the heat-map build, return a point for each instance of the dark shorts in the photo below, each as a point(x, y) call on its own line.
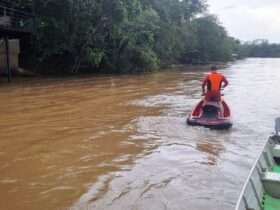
point(213, 96)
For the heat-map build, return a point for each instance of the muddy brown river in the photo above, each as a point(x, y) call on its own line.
point(121, 142)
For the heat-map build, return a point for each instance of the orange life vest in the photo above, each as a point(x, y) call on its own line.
point(214, 81)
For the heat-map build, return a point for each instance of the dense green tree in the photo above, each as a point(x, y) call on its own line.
point(259, 48)
point(126, 35)
point(213, 43)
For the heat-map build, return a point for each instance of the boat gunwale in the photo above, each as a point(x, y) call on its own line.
point(241, 196)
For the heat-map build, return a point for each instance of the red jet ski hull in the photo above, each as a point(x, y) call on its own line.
point(215, 115)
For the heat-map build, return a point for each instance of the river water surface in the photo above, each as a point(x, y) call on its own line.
point(121, 142)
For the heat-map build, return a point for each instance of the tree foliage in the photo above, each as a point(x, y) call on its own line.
point(260, 48)
point(126, 35)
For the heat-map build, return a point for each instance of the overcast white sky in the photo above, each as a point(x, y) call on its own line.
point(249, 19)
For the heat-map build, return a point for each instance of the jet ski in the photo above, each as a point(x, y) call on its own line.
point(211, 114)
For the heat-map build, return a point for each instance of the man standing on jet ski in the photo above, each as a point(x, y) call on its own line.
point(214, 82)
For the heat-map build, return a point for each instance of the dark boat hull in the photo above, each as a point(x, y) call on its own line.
point(213, 124)
point(214, 115)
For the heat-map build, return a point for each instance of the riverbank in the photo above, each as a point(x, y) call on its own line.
point(22, 73)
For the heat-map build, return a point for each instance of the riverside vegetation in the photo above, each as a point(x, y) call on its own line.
point(124, 36)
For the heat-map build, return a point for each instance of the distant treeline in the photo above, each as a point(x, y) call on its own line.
point(125, 35)
point(261, 48)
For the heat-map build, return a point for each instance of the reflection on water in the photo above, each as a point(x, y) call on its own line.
point(121, 142)
point(212, 148)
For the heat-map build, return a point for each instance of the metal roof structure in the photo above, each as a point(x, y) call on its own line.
point(15, 22)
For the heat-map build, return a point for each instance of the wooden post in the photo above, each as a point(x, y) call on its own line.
point(8, 58)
